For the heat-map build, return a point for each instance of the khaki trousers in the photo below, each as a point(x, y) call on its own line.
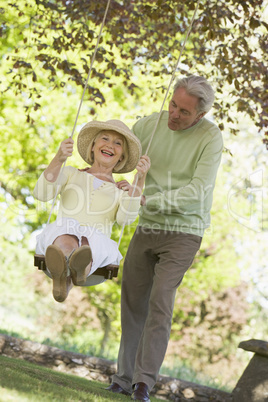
point(154, 268)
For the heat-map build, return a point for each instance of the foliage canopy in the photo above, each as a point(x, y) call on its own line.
point(227, 44)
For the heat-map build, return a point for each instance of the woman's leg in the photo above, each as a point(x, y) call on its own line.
point(67, 243)
point(80, 260)
point(56, 261)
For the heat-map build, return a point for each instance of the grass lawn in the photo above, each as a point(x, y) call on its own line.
point(24, 381)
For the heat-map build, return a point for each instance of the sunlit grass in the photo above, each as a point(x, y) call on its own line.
point(24, 381)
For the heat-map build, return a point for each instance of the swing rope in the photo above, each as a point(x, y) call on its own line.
point(80, 105)
point(173, 75)
point(162, 106)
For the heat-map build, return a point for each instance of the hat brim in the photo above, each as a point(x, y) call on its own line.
point(90, 131)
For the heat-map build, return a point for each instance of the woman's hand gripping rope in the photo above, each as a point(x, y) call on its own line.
point(65, 149)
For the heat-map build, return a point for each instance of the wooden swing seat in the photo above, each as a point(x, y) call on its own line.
point(108, 272)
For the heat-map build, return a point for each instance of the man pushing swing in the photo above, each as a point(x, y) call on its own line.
point(185, 156)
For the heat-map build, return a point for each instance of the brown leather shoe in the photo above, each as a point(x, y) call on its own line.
point(141, 392)
point(114, 387)
point(80, 262)
point(57, 265)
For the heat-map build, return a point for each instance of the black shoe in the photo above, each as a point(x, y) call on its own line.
point(117, 389)
point(141, 392)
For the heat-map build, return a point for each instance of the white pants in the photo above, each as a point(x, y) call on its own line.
point(104, 250)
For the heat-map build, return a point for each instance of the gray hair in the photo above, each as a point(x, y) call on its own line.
point(199, 87)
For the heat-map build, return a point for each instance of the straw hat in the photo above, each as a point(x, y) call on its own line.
point(91, 129)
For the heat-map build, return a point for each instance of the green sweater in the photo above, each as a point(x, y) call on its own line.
point(179, 185)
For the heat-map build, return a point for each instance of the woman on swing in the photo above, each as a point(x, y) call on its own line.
point(78, 242)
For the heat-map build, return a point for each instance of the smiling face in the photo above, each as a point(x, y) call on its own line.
point(108, 149)
point(183, 110)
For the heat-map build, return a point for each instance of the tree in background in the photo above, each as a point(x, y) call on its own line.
point(58, 37)
point(45, 51)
